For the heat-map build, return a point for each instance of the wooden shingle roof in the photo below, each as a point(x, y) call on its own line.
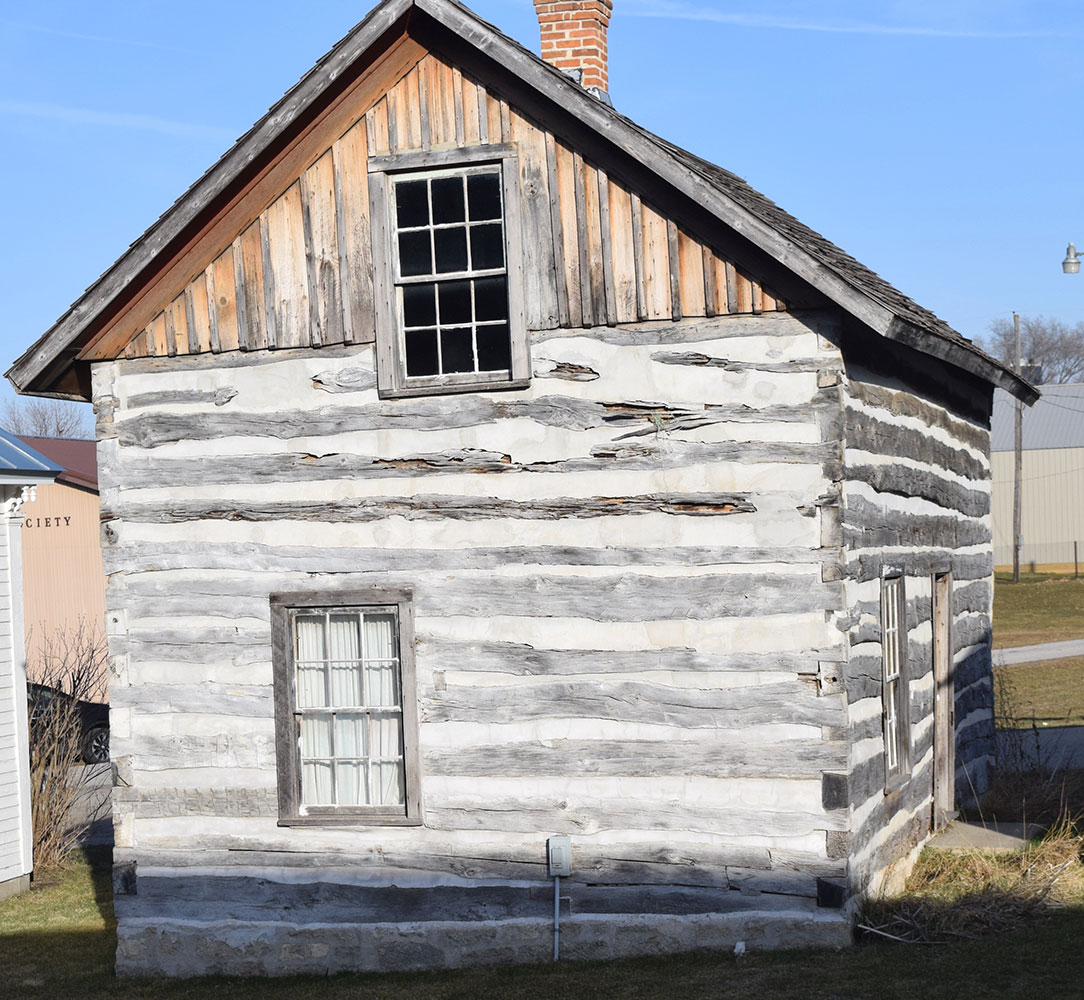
point(51, 365)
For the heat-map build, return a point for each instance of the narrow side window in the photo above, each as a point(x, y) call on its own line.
point(894, 691)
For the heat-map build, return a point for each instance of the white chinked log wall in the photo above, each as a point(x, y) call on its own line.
point(627, 585)
point(916, 501)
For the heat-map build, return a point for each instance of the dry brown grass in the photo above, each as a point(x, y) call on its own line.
point(960, 895)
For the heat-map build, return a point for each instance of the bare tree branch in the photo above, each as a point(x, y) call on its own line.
point(52, 418)
point(1056, 347)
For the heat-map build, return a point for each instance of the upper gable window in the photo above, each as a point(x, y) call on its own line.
point(449, 279)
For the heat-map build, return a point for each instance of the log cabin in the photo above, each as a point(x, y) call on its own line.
point(479, 469)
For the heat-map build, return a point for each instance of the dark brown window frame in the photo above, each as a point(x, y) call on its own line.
point(392, 380)
point(287, 741)
point(895, 702)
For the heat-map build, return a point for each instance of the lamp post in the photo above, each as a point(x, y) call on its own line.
point(1071, 264)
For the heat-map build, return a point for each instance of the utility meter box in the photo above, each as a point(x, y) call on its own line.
point(559, 856)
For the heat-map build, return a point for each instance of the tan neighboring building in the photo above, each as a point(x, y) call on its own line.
point(1052, 479)
point(63, 578)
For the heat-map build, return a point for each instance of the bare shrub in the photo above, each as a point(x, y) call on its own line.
point(51, 418)
point(64, 668)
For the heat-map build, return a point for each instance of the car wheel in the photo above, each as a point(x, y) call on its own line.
point(96, 745)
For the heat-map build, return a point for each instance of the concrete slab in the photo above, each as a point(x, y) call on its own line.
point(963, 835)
point(1040, 651)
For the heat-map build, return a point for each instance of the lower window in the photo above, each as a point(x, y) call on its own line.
point(894, 692)
point(345, 708)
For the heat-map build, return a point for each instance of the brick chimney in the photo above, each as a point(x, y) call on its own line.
point(574, 39)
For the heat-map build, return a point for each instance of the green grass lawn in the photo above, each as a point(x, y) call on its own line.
point(1046, 693)
point(1040, 608)
point(57, 942)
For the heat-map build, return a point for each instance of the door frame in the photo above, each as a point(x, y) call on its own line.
point(944, 702)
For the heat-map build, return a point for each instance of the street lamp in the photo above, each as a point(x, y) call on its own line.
point(1071, 264)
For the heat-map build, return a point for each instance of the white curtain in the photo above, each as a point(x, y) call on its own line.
point(311, 662)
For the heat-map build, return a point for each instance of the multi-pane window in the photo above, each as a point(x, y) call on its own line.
point(451, 279)
point(345, 713)
point(448, 271)
point(894, 681)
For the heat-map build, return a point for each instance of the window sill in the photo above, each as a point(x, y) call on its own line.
point(351, 819)
point(448, 388)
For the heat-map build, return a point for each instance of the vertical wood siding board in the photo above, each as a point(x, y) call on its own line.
point(638, 255)
point(225, 299)
point(152, 346)
point(158, 332)
point(240, 294)
point(731, 289)
point(745, 294)
point(212, 309)
point(386, 347)
point(566, 203)
point(469, 99)
point(540, 278)
point(675, 269)
point(410, 116)
point(346, 279)
point(457, 107)
point(483, 115)
point(171, 332)
point(271, 316)
point(323, 217)
point(621, 246)
point(709, 282)
point(493, 110)
point(370, 130)
point(520, 360)
point(315, 337)
point(690, 274)
point(586, 303)
point(255, 295)
point(607, 247)
point(423, 104)
point(719, 270)
point(190, 321)
point(392, 103)
point(561, 277)
point(656, 265)
point(757, 304)
point(201, 312)
point(506, 122)
point(594, 244)
point(357, 294)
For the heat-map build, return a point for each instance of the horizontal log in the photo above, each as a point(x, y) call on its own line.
point(694, 359)
point(433, 507)
point(621, 597)
point(237, 359)
point(174, 397)
point(666, 332)
point(204, 698)
point(865, 566)
point(639, 758)
point(238, 898)
point(639, 702)
point(870, 525)
point(906, 404)
point(142, 472)
point(433, 413)
point(866, 432)
point(142, 557)
point(358, 379)
point(905, 481)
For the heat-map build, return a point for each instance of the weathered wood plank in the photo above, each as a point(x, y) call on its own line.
point(225, 300)
point(560, 276)
point(212, 308)
point(286, 244)
point(252, 329)
point(656, 264)
point(583, 246)
point(425, 129)
point(355, 247)
point(691, 274)
point(595, 254)
point(606, 234)
point(708, 265)
point(322, 252)
point(673, 257)
point(623, 249)
point(272, 321)
point(539, 274)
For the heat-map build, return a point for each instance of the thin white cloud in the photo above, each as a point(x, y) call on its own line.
point(844, 26)
point(113, 119)
point(108, 39)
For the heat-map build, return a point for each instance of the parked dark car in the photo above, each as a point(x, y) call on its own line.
point(93, 720)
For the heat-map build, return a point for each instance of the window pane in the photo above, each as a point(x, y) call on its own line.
point(316, 783)
point(419, 305)
point(353, 787)
point(448, 199)
point(494, 349)
point(484, 196)
point(491, 298)
point(421, 352)
point(415, 255)
point(454, 303)
point(386, 735)
point(351, 736)
point(344, 644)
point(316, 736)
point(457, 349)
point(383, 686)
point(451, 248)
point(380, 637)
point(312, 685)
point(486, 247)
point(390, 785)
point(310, 637)
point(411, 204)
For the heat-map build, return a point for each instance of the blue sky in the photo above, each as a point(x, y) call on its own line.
point(939, 143)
